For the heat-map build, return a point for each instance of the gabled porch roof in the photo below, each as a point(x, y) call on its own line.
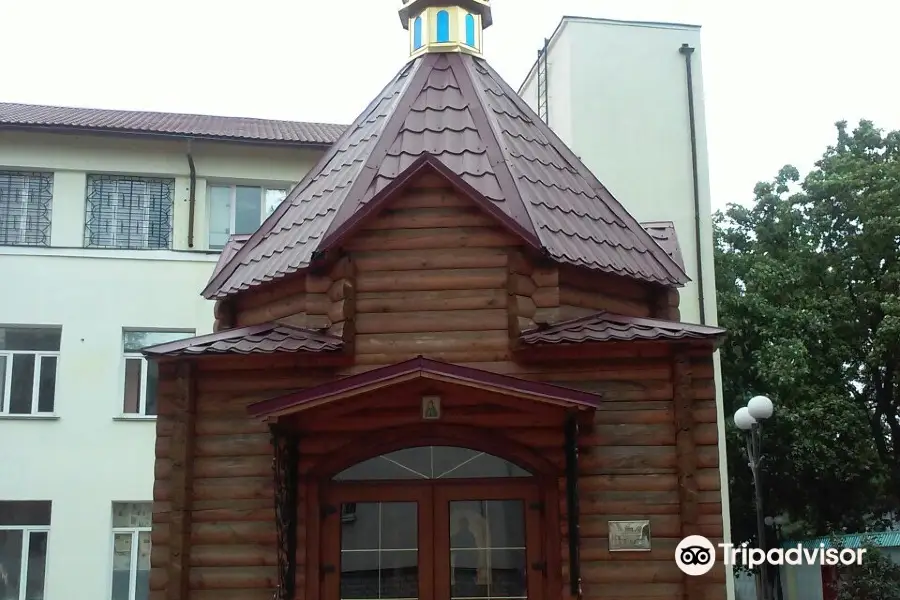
point(611, 327)
point(424, 368)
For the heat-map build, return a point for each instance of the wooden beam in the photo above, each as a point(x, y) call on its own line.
point(686, 455)
point(181, 483)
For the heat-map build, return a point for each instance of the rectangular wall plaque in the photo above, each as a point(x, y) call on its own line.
point(431, 408)
point(629, 536)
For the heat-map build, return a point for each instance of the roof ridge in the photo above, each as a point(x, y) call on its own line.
point(659, 254)
point(160, 113)
point(500, 162)
point(267, 226)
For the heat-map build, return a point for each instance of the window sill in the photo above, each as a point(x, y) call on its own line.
point(45, 417)
point(135, 418)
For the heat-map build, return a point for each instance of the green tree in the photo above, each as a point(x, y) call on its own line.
point(877, 578)
point(807, 282)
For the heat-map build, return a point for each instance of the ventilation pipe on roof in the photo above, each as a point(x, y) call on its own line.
point(192, 196)
point(687, 51)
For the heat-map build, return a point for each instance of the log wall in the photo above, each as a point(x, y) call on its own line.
point(433, 275)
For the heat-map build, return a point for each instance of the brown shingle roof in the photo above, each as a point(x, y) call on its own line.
point(176, 124)
point(266, 338)
point(610, 327)
point(235, 242)
point(663, 232)
point(457, 110)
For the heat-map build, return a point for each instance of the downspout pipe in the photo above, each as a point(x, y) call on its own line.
point(687, 51)
point(192, 196)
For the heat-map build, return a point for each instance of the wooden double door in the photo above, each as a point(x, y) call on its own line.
point(450, 539)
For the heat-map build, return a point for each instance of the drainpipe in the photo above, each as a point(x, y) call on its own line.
point(687, 51)
point(192, 196)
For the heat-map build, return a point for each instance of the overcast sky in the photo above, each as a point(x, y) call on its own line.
point(778, 73)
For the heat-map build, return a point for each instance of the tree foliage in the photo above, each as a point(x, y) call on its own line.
point(807, 282)
point(877, 578)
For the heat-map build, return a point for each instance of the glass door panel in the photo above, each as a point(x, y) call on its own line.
point(379, 552)
point(487, 549)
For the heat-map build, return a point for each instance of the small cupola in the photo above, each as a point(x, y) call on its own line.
point(445, 25)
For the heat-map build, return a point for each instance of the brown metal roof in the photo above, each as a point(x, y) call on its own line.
point(266, 338)
point(235, 242)
point(32, 116)
point(664, 234)
point(456, 109)
point(610, 327)
point(424, 368)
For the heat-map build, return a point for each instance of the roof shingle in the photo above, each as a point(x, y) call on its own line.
point(455, 109)
point(128, 121)
point(610, 327)
point(663, 232)
point(266, 338)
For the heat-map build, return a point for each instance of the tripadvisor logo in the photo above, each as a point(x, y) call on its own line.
point(696, 555)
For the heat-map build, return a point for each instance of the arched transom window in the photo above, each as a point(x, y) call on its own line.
point(432, 462)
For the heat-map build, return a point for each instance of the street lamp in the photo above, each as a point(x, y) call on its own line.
point(776, 523)
point(748, 419)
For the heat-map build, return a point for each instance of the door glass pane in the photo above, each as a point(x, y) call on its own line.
point(11, 560)
point(432, 462)
point(379, 550)
point(37, 559)
point(487, 549)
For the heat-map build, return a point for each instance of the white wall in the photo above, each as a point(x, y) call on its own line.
point(83, 458)
point(618, 97)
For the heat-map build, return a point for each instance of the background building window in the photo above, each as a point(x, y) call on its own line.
point(128, 212)
point(239, 209)
point(26, 199)
point(141, 376)
point(28, 361)
point(24, 528)
point(131, 550)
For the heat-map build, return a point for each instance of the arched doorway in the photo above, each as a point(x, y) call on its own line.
point(434, 522)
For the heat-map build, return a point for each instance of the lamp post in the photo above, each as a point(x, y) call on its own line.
point(776, 523)
point(748, 419)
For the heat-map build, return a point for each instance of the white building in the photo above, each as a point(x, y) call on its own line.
point(628, 98)
point(109, 228)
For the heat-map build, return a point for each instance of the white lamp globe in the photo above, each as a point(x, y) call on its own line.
point(760, 407)
point(743, 419)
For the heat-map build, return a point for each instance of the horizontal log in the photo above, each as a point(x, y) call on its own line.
point(628, 483)
point(546, 276)
point(236, 488)
point(620, 434)
point(602, 282)
point(206, 510)
point(426, 342)
point(341, 310)
point(705, 411)
point(608, 459)
point(599, 301)
point(431, 280)
point(706, 434)
point(524, 306)
point(233, 555)
point(648, 412)
point(219, 578)
point(708, 479)
point(521, 285)
point(626, 391)
point(269, 312)
point(237, 594)
point(228, 424)
point(416, 239)
point(431, 321)
point(234, 466)
point(240, 446)
point(159, 578)
point(632, 591)
point(597, 549)
point(430, 218)
point(537, 437)
point(408, 301)
point(622, 571)
point(341, 289)
point(546, 297)
point(436, 193)
point(365, 362)
point(238, 532)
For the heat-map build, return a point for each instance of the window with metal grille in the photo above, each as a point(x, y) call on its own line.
point(26, 199)
point(127, 212)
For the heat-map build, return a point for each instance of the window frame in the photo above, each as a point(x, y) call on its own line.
point(145, 370)
point(135, 532)
point(97, 180)
point(35, 382)
point(232, 199)
point(27, 530)
point(45, 232)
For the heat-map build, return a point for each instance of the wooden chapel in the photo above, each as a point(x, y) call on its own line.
point(450, 366)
